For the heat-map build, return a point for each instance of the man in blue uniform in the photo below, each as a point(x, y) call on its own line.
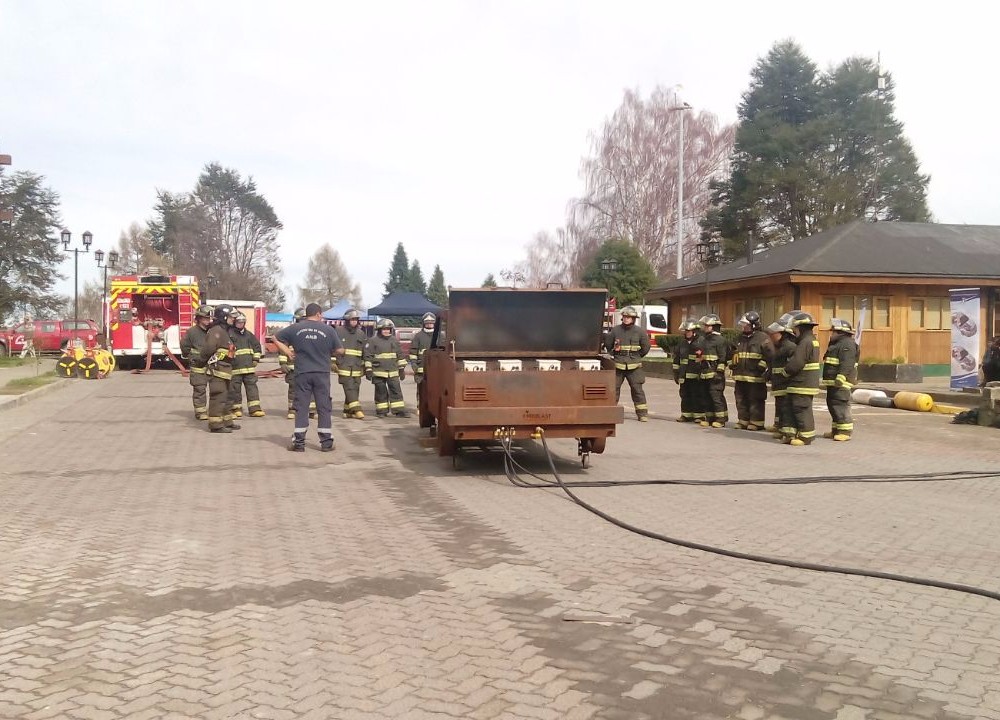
point(311, 343)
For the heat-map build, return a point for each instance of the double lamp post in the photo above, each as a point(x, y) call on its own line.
point(106, 311)
point(88, 237)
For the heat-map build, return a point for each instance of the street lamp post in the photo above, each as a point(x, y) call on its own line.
point(709, 250)
point(212, 281)
point(111, 263)
point(88, 237)
point(680, 193)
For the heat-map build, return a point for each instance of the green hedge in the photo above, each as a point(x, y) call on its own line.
point(668, 342)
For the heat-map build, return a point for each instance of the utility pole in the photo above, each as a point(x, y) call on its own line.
point(680, 192)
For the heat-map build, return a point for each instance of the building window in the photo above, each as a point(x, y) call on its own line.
point(849, 308)
point(930, 313)
point(770, 309)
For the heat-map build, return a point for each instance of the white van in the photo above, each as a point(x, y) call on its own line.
point(652, 319)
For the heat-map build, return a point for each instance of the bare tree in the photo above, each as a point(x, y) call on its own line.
point(136, 253)
point(327, 281)
point(549, 260)
point(631, 178)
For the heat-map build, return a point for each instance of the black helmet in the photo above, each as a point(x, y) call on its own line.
point(222, 312)
point(751, 318)
point(299, 314)
point(801, 319)
point(352, 314)
point(203, 311)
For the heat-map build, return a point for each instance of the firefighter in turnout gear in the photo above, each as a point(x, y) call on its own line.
point(749, 365)
point(840, 372)
point(784, 348)
point(420, 345)
point(217, 355)
point(628, 345)
point(287, 365)
point(697, 388)
point(803, 370)
point(350, 367)
point(681, 361)
point(191, 345)
point(247, 355)
point(385, 365)
point(715, 355)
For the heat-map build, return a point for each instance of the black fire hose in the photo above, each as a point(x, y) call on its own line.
point(510, 465)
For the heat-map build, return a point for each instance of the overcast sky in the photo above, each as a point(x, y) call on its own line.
point(454, 127)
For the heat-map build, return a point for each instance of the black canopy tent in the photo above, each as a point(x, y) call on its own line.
point(404, 303)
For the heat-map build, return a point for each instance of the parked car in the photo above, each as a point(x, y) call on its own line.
point(48, 335)
point(405, 337)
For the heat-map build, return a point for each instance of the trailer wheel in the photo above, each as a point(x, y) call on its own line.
point(585, 460)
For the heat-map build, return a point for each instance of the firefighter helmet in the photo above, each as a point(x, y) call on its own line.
point(222, 312)
point(385, 323)
point(843, 326)
point(775, 327)
point(238, 317)
point(203, 311)
point(299, 314)
point(352, 314)
point(801, 319)
point(711, 319)
point(751, 318)
point(629, 311)
point(428, 318)
point(689, 325)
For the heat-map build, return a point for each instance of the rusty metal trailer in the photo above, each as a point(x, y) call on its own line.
point(518, 360)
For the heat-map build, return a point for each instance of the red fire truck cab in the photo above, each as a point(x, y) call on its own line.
point(148, 313)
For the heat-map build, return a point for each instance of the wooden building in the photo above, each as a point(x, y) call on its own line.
point(900, 273)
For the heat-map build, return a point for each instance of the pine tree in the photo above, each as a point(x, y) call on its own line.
point(814, 151)
point(632, 277)
point(399, 273)
point(415, 282)
point(490, 281)
point(437, 292)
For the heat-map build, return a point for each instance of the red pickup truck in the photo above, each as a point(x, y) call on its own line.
point(48, 335)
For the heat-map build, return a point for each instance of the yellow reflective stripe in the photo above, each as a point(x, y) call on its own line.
point(811, 366)
point(630, 347)
point(397, 404)
point(641, 406)
point(244, 351)
point(353, 352)
point(197, 370)
point(748, 378)
point(385, 355)
point(780, 393)
point(282, 358)
point(414, 357)
point(382, 374)
point(747, 356)
point(222, 354)
point(401, 363)
point(350, 372)
point(802, 391)
point(244, 371)
point(831, 361)
point(627, 366)
point(826, 382)
point(382, 406)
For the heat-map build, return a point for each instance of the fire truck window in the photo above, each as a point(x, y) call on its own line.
point(48, 327)
point(658, 321)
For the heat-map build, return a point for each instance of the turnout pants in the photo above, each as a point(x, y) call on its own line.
point(199, 392)
point(801, 411)
point(838, 402)
point(248, 381)
point(689, 406)
point(352, 393)
point(782, 415)
point(635, 378)
point(388, 395)
point(219, 393)
point(718, 409)
point(313, 387)
point(698, 400)
point(750, 400)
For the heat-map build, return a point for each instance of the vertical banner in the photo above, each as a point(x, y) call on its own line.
point(965, 332)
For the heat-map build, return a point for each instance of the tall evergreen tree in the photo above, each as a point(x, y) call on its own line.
point(490, 281)
point(437, 292)
point(813, 151)
point(416, 279)
point(399, 273)
point(29, 246)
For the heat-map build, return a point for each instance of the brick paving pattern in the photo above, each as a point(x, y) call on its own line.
point(152, 570)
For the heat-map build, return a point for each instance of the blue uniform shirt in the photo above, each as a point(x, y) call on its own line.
point(313, 342)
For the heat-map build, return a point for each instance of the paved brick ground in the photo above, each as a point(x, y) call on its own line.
point(153, 570)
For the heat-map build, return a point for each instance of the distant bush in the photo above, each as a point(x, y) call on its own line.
point(667, 343)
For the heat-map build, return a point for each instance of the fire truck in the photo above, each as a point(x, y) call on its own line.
point(147, 315)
